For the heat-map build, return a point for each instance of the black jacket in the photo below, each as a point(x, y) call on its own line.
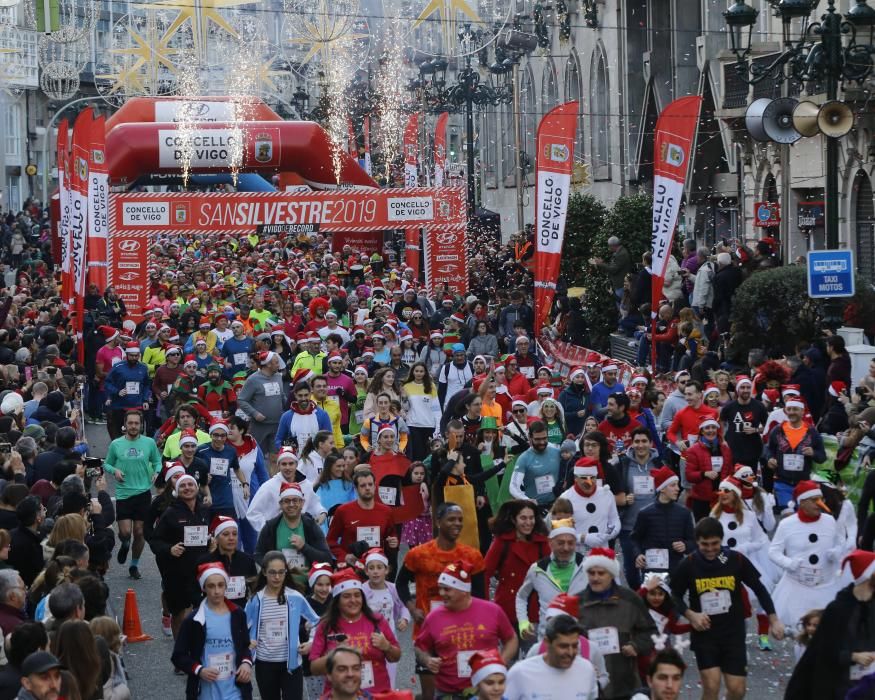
point(240, 564)
point(189, 647)
point(170, 531)
point(26, 553)
point(45, 462)
point(315, 549)
point(660, 524)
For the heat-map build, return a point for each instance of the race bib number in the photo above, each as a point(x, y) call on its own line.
point(133, 388)
point(218, 466)
point(605, 639)
point(275, 629)
point(656, 558)
point(370, 534)
point(241, 358)
point(717, 463)
point(236, 588)
point(642, 485)
point(223, 663)
point(272, 389)
point(716, 602)
point(810, 575)
point(527, 372)
point(195, 536)
point(359, 417)
point(794, 463)
point(463, 664)
point(544, 484)
point(388, 495)
point(294, 558)
point(367, 674)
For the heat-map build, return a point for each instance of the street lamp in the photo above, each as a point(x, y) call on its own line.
point(819, 54)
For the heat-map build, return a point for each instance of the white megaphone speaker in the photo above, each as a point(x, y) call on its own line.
point(772, 120)
point(835, 119)
point(805, 118)
point(753, 119)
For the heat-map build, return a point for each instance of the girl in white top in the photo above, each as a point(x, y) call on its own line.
point(424, 410)
point(383, 598)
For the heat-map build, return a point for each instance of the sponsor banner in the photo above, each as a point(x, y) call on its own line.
point(446, 261)
point(564, 357)
point(64, 208)
point(79, 169)
point(288, 229)
point(411, 148)
point(366, 241)
point(127, 269)
point(214, 148)
point(440, 149)
point(555, 144)
point(366, 161)
point(198, 111)
point(672, 155)
point(342, 210)
point(766, 214)
point(98, 204)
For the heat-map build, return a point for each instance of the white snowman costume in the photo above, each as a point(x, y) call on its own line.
point(596, 520)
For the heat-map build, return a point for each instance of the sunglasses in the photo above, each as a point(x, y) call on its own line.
point(519, 410)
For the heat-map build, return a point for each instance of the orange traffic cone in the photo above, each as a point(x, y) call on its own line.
point(131, 626)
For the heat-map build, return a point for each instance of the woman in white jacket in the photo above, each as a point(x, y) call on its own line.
point(423, 411)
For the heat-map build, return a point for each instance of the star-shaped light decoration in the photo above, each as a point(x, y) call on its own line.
point(448, 12)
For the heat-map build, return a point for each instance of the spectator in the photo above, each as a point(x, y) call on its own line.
point(617, 268)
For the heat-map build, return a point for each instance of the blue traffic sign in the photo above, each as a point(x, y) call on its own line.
point(831, 274)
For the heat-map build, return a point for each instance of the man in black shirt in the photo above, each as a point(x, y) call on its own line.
point(743, 421)
point(713, 577)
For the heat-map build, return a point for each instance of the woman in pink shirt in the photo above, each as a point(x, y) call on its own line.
point(350, 622)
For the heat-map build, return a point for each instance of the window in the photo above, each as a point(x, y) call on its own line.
point(12, 126)
point(528, 119)
point(573, 92)
point(599, 98)
point(549, 87)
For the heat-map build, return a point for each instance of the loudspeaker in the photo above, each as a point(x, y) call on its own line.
point(753, 119)
point(835, 119)
point(805, 118)
point(778, 120)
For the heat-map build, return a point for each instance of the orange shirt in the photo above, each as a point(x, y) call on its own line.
point(794, 435)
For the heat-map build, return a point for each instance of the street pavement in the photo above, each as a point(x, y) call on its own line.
point(152, 677)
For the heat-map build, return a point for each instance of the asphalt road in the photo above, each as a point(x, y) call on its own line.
point(152, 677)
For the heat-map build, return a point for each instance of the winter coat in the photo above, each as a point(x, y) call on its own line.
point(486, 345)
point(574, 399)
point(539, 582)
point(660, 524)
point(509, 560)
point(698, 459)
point(703, 288)
point(315, 549)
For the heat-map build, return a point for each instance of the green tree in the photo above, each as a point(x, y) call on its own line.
point(586, 216)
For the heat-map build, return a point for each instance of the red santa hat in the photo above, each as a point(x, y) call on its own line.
point(610, 365)
point(731, 484)
point(837, 388)
point(188, 437)
point(286, 452)
point(320, 568)
point(662, 477)
point(862, 565)
point(484, 663)
point(132, 348)
point(457, 576)
point(586, 466)
point(218, 424)
point(290, 490)
point(108, 332)
point(171, 470)
point(376, 554)
point(563, 604)
point(743, 379)
point(302, 375)
point(213, 568)
point(603, 558)
point(681, 373)
point(361, 369)
point(806, 489)
point(639, 379)
point(709, 423)
point(221, 523)
point(744, 473)
point(791, 390)
point(710, 389)
point(794, 403)
point(265, 357)
point(345, 580)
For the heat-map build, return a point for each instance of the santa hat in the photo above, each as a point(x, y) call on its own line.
point(562, 527)
point(681, 373)
point(109, 333)
point(710, 389)
point(741, 380)
point(181, 481)
point(662, 477)
point(610, 366)
point(518, 402)
point(770, 396)
point(189, 360)
point(731, 484)
point(387, 428)
point(362, 369)
point(172, 470)
point(188, 436)
point(806, 489)
point(218, 424)
point(603, 558)
point(132, 348)
point(743, 472)
point(221, 523)
point(376, 554)
point(837, 388)
point(544, 390)
point(286, 452)
point(345, 580)
point(367, 352)
point(204, 571)
point(290, 490)
point(639, 379)
point(576, 372)
point(334, 356)
point(302, 375)
point(265, 357)
point(709, 423)
point(320, 568)
point(484, 663)
point(794, 403)
point(593, 359)
point(792, 390)
point(862, 565)
point(458, 318)
point(586, 466)
point(563, 604)
point(456, 575)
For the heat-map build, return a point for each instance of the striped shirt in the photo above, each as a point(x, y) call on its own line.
point(273, 631)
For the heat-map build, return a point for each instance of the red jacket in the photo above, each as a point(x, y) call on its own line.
point(509, 559)
point(698, 462)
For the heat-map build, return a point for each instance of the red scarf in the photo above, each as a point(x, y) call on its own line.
point(807, 518)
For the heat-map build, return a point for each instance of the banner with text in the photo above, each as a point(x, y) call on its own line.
point(63, 157)
point(440, 149)
point(446, 258)
point(364, 241)
point(555, 146)
point(98, 203)
point(411, 148)
point(79, 156)
point(672, 155)
point(127, 268)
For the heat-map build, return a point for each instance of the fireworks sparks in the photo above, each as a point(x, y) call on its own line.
point(390, 127)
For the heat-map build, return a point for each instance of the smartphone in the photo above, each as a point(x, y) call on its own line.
point(28, 374)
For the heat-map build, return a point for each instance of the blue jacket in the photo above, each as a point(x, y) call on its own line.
point(297, 607)
point(119, 377)
point(573, 401)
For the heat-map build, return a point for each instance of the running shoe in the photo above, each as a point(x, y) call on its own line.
point(123, 550)
point(134, 573)
point(764, 644)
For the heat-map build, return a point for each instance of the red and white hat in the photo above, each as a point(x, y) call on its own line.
point(563, 527)
point(743, 379)
point(662, 477)
point(710, 389)
point(520, 403)
point(806, 489)
point(173, 469)
point(791, 390)
point(290, 490)
point(639, 379)
point(361, 369)
point(302, 375)
point(181, 481)
point(218, 424)
point(345, 580)
point(576, 372)
point(213, 568)
point(320, 568)
point(457, 317)
point(610, 365)
point(563, 604)
point(794, 403)
point(681, 373)
point(603, 558)
point(109, 333)
point(376, 554)
point(586, 466)
point(286, 452)
point(862, 565)
point(265, 357)
point(456, 575)
point(709, 423)
point(837, 388)
point(435, 335)
point(731, 484)
point(744, 472)
point(484, 663)
point(132, 348)
point(188, 436)
point(221, 523)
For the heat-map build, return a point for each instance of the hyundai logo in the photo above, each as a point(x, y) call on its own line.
point(446, 238)
point(129, 276)
point(201, 109)
point(129, 246)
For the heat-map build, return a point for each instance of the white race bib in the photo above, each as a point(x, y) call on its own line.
point(544, 484)
point(716, 602)
point(605, 639)
point(527, 372)
point(133, 388)
point(388, 495)
point(223, 663)
point(463, 664)
point(642, 485)
point(272, 389)
point(216, 414)
point(218, 466)
point(656, 558)
point(275, 629)
point(359, 417)
point(195, 535)
point(241, 358)
point(370, 534)
point(367, 674)
point(294, 558)
point(236, 588)
point(794, 462)
point(717, 463)
point(810, 575)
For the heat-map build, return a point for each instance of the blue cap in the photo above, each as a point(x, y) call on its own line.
point(458, 347)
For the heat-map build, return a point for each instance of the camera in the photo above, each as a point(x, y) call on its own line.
point(93, 467)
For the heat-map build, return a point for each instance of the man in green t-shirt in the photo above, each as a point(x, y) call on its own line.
point(134, 461)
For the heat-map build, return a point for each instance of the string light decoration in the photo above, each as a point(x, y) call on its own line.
point(447, 17)
point(62, 21)
point(59, 80)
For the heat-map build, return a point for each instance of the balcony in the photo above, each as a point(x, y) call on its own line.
point(18, 58)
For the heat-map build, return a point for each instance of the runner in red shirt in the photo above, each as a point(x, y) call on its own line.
point(684, 428)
